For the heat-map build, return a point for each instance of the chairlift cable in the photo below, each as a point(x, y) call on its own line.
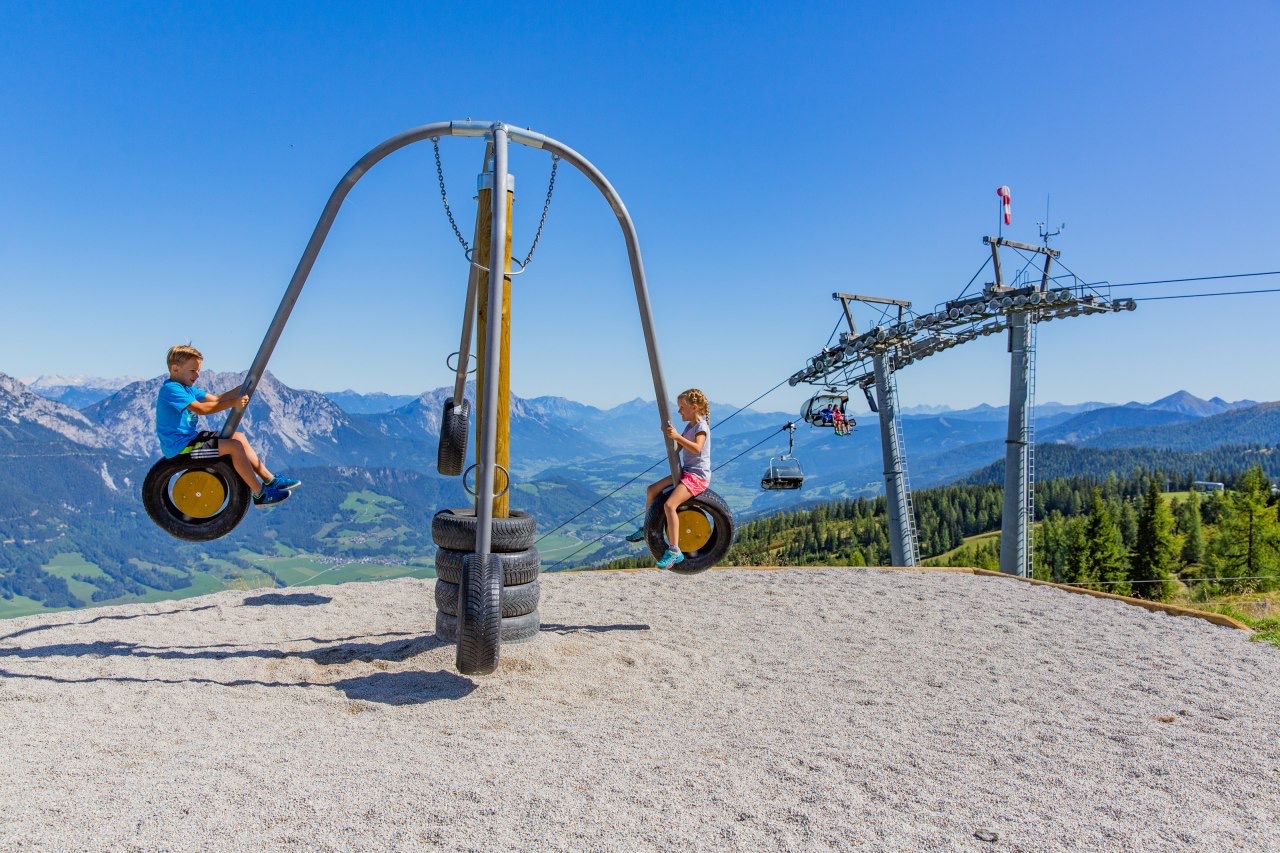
point(639, 514)
point(1196, 278)
point(1197, 295)
point(600, 501)
point(651, 467)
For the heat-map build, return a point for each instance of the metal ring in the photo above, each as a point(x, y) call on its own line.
point(472, 492)
point(469, 252)
point(454, 367)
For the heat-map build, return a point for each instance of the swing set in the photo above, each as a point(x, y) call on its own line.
point(200, 500)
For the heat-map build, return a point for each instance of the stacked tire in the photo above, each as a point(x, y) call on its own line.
point(454, 533)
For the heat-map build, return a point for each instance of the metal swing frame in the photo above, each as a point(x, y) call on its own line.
point(499, 135)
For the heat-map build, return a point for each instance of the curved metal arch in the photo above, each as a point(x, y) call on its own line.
point(500, 133)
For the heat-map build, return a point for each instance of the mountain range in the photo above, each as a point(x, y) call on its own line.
point(69, 477)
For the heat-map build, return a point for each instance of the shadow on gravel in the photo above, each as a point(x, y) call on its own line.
point(34, 628)
point(297, 599)
point(591, 629)
point(394, 650)
point(406, 688)
point(343, 651)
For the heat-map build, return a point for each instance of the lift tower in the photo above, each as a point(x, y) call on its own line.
point(897, 486)
point(1019, 500)
point(873, 358)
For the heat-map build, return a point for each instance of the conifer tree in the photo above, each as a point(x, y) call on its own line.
point(1247, 541)
point(1104, 556)
point(1127, 521)
point(1192, 532)
point(1154, 559)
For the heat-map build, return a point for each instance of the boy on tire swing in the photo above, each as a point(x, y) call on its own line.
point(178, 407)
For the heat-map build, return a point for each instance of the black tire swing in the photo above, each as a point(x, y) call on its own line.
point(195, 499)
point(707, 530)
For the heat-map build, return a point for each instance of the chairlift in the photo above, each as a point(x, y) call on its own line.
point(784, 472)
point(829, 401)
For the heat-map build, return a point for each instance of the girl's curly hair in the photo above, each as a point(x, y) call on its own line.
point(698, 400)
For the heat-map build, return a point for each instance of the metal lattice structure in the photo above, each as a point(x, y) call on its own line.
point(871, 359)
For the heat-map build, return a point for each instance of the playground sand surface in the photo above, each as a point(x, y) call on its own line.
point(796, 709)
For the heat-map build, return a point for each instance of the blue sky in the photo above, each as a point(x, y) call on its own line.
point(167, 163)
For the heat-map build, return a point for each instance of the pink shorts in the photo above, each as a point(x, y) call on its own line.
point(695, 484)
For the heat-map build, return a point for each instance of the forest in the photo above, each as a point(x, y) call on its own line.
point(1125, 535)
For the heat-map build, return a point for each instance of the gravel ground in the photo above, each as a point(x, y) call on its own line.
point(797, 709)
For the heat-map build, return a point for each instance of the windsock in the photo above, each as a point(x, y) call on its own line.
point(1003, 192)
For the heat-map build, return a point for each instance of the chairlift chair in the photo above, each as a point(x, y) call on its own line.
point(784, 472)
point(811, 411)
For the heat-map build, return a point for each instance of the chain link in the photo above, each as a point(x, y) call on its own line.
point(435, 143)
point(546, 205)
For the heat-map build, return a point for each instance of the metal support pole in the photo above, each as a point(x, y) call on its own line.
point(583, 165)
point(900, 551)
point(1013, 520)
point(488, 439)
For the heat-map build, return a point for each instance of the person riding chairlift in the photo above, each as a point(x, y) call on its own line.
point(838, 421)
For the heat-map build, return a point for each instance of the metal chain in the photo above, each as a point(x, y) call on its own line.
point(435, 143)
point(546, 205)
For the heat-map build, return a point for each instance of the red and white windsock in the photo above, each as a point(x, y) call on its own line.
point(1003, 192)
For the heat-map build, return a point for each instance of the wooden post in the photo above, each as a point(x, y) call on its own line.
point(502, 454)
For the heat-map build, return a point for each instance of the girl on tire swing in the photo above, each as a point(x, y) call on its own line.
point(695, 470)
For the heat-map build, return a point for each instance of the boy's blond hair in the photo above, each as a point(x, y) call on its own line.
point(698, 400)
point(180, 353)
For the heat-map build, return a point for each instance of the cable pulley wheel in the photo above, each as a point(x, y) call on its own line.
point(195, 499)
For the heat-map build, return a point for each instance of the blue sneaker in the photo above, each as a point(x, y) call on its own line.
point(270, 496)
point(670, 558)
point(636, 536)
point(284, 484)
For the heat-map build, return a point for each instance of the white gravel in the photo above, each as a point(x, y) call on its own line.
point(737, 709)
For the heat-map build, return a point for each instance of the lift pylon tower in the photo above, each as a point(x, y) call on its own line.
point(897, 486)
point(872, 359)
point(1015, 518)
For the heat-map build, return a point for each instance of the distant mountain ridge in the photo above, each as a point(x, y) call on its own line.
point(372, 485)
point(76, 391)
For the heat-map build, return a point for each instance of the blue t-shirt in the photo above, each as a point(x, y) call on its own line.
point(176, 425)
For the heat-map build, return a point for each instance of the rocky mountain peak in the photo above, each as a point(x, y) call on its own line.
point(20, 405)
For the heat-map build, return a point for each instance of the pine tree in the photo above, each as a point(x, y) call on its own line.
point(1127, 521)
point(1192, 532)
point(1104, 556)
point(1155, 554)
point(1247, 541)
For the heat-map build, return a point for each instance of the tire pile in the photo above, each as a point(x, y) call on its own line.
point(454, 533)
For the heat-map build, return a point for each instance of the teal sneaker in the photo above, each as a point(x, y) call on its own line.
point(284, 484)
point(670, 558)
point(637, 535)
